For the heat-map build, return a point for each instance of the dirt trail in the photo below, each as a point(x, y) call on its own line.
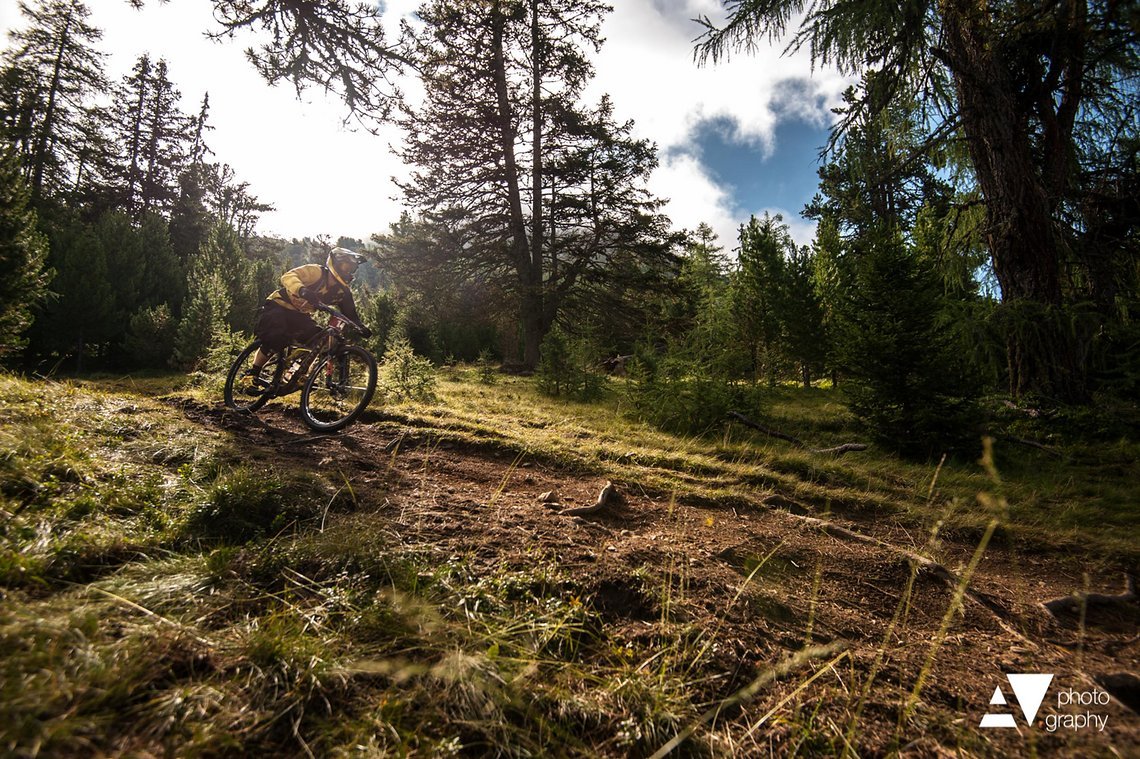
point(483, 503)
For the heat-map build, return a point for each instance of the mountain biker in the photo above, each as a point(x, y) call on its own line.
point(285, 315)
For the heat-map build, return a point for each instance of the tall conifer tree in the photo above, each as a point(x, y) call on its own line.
point(23, 251)
point(56, 68)
point(519, 182)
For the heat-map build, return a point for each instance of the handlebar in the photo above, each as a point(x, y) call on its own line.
point(351, 322)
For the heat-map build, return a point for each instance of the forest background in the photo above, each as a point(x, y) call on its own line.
point(444, 577)
point(965, 251)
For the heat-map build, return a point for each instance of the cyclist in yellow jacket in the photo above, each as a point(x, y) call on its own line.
point(285, 315)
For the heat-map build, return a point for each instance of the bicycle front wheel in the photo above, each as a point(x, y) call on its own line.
point(339, 389)
point(246, 391)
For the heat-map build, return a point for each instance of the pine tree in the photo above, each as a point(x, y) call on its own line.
point(519, 183)
point(165, 143)
point(888, 308)
point(209, 300)
point(190, 217)
point(698, 275)
point(130, 108)
point(758, 290)
point(57, 69)
point(125, 260)
point(827, 282)
point(81, 317)
point(907, 384)
point(802, 317)
point(337, 45)
point(154, 137)
point(23, 251)
point(231, 201)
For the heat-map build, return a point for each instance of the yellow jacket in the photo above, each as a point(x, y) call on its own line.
point(323, 281)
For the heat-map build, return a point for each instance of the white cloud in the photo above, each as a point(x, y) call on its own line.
point(325, 178)
point(694, 197)
point(648, 67)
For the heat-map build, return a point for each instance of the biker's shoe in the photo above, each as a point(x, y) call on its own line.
point(252, 383)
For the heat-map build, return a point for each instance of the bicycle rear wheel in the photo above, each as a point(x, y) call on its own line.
point(339, 389)
point(245, 391)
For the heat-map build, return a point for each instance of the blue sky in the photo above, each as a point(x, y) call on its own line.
point(780, 175)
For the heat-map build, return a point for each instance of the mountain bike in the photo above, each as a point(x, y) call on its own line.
point(336, 377)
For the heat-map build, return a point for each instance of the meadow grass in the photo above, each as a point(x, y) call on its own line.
point(163, 595)
point(1082, 498)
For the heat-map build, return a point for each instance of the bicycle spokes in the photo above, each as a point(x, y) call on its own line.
point(339, 389)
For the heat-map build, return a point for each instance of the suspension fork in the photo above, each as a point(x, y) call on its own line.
point(330, 348)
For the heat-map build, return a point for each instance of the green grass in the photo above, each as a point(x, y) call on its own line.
point(1084, 497)
point(163, 595)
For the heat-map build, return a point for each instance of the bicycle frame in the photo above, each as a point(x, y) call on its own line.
point(322, 344)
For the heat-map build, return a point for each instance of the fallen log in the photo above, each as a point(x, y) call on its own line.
point(839, 450)
point(766, 430)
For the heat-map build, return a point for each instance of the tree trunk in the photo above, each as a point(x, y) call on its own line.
point(534, 285)
point(79, 351)
point(135, 144)
point(1020, 233)
point(530, 302)
point(40, 157)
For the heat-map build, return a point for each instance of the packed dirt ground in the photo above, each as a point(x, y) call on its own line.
point(753, 583)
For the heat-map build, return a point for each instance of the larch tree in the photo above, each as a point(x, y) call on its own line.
point(153, 138)
point(127, 125)
point(339, 46)
point(1021, 83)
point(165, 144)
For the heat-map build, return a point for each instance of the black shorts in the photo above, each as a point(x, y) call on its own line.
point(279, 327)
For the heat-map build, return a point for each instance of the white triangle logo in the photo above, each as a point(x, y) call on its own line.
point(998, 697)
point(1030, 691)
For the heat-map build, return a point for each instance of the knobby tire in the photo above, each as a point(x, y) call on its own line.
point(332, 400)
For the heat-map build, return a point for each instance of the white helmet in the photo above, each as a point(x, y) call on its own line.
point(343, 263)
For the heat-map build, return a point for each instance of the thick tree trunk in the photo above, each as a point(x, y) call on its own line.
point(1020, 227)
point(1020, 232)
point(535, 314)
point(530, 301)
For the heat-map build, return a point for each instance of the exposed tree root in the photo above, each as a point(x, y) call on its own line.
point(603, 497)
point(928, 566)
point(1074, 602)
point(1031, 444)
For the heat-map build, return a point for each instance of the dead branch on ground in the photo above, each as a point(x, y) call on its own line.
point(838, 450)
